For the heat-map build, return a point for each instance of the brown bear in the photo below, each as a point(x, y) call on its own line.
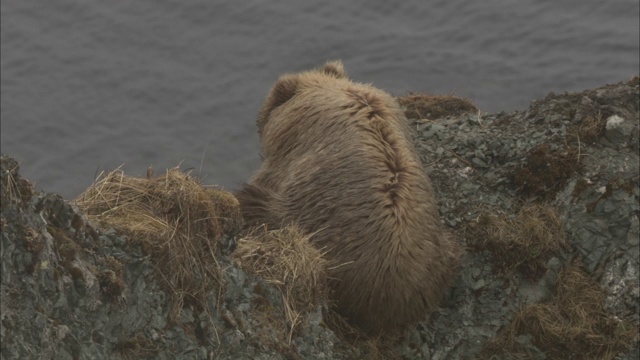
point(338, 161)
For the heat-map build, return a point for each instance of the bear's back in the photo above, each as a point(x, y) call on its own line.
point(339, 163)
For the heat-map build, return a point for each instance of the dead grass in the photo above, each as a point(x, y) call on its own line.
point(287, 259)
point(382, 347)
point(425, 106)
point(175, 219)
point(9, 184)
point(546, 171)
point(572, 324)
point(378, 348)
point(523, 241)
point(137, 346)
point(14, 188)
point(589, 129)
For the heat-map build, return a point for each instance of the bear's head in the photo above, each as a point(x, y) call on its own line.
point(287, 85)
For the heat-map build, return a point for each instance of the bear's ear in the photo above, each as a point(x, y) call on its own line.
point(282, 91)
point(335, 69)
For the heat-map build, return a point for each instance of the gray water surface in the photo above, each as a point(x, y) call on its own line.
point(90, 85)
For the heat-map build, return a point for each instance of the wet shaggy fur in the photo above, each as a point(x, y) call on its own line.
point(339, 162)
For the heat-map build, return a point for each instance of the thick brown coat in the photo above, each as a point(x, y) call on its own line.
point(339, 162)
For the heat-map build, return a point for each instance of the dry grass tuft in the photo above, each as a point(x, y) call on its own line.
point(546, 171)
point(13, 188)
point(9, 185)
point(137, 346)
point(287, 259)
point(573, 324)
point(425, 106)
point(367, 346)
point(175, 219)
point(378, 348)
point(590, 128)
point(524, 241)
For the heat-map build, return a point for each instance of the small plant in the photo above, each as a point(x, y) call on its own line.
point(286, 259)
point(176, 220)
point(424, 106)
point(573, 324)
point(546, 171)
point(111, 285)
point(137, 346)
point(525, 241)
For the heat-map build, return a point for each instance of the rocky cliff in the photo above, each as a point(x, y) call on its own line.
point(546, 202)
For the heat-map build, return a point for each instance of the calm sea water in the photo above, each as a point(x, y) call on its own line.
point(90, 85)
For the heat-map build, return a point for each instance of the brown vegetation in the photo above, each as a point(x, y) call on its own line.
point(175, 219)
point(546, 171)
point(573, 321)
point(425, 106)
point(589, 129)
point(137, 346)
point(286, 259)
point(524, 241)
point(15, 189)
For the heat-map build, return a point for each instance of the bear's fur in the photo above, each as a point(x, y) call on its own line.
point(339, 162)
